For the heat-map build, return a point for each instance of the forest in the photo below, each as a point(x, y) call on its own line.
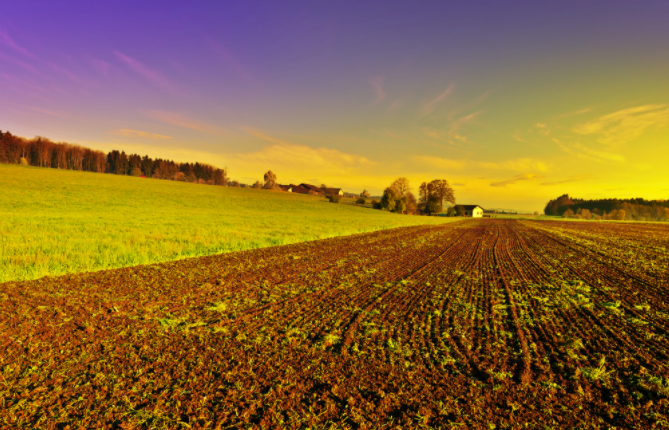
point(42, 152)
point(636, 209)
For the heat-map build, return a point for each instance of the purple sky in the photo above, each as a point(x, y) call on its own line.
point(500, 97)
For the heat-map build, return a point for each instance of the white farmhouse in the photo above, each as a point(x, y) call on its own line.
point(474, 211)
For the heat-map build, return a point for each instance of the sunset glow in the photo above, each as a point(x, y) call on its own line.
point(514, 103)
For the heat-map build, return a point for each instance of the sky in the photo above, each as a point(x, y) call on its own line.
point(513, 102)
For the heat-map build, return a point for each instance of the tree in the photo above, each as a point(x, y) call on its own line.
point(401, 185)
point(270, 181)
point(424, 192)
point(460, 210)
point(586, 214)
point(620, 215)
point(568, 213)
point(364, 194)
point(443, 191)
point(257, 185)
point(411, 205)
point(136, 171)
point(360, 201)
point(432, 205)
point(3, 150)
point(323, 187)
point(450, 211)
point(390, 198)
point(220, 177)
point(536, 213)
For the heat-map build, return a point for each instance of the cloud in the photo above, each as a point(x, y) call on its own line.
point(18, 81)
point(524, 177)
point(6, 40)
point(101, 66)
point(52, 113)
point(458, 184)
point(452, 134)
point(230, 59)
point(567, 181)
point(20, 63)
point(581, 151)
point(74, 78)
point(627, 124)
point(301, 159)
point(429, 106)
point(576, 112)
point(440, 163)
point(520, 164)
point(377, 83)
point(136, 133)
point(183, 121)
point(151, 75)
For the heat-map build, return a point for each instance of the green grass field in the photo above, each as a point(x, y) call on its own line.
point(54, 222)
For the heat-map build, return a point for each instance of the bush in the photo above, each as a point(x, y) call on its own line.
point(334, 198)
point(360, 201)
point(376, 205)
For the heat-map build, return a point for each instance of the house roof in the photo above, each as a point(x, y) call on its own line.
point(469, 207)
point(286, 187)
point(313, 188)
point(332, 190)
point(300, 189)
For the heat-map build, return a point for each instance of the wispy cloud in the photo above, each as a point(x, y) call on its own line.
point(520, 164)
point(149, 74)
point(301, 158)
point(65, 72)
point(587, 153)
point(230, 60)
point(101, 66)
point(570, 180)
point(515, 180)
point(429, 107)
point(576, 112)
point(452, 134)
point(183, 121)
point(22, 82)
point(23, 64)
point(7, 40)
point(627, 124)
point(137, 133)
point(440, 163)
point(377, 83)
point(49, 112)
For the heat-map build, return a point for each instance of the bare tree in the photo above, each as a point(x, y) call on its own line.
point(401, 185)
point(270, 181)
point(364, 194)
point(425, 191)
point(443, 191)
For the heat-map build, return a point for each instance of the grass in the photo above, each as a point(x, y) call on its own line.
point(54, 222)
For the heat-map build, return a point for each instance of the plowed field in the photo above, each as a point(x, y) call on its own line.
point(478, 324)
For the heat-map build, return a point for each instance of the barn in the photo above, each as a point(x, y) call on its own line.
point(474, 211)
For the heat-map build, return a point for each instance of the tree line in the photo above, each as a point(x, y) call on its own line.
point(636, 209)
point(398, 197)
point(42, 152)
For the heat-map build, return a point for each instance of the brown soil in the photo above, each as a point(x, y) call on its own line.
point(479, 324)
